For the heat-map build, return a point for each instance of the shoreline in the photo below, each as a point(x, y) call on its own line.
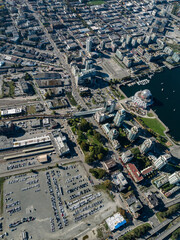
point(167, 131)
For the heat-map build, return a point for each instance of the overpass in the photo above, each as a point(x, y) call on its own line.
point(172, 202)
point(169, 231)
point(160, 226)
point(89, 112)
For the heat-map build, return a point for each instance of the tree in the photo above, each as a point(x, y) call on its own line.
point(100, 156)
point(89, 159)
point(108, 184)
point(84, 146)
point(27, 77)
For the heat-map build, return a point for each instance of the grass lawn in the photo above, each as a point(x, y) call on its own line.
point(150, 114)
point(93, 140)
point(71, 98)
point(95, 2)
point(155, 125)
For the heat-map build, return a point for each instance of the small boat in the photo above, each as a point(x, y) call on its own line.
point(167, 98)
point(162, 89)
point(162, 83)
point(174, 110)
point(173, 90)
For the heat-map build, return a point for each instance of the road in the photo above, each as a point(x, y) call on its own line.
point(177, 200)
point(169, 231)
point(161, 225)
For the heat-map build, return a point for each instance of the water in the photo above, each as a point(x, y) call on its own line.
point(165, 88)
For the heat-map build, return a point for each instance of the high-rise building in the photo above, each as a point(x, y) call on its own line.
point(174, 178)
point(119, 117)
point(128, 39)
point(113, 134)
point(110, 106)
point(146, 146)
point(133, 133)
point(88, 45)
point(89, 64)
point(162, 161)
point(102, 45)
point(100, 117)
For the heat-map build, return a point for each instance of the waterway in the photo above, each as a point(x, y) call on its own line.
point(165, 88)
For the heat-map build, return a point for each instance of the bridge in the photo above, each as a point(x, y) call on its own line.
point(89, 112)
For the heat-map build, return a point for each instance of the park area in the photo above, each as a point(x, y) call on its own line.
point(154, 124)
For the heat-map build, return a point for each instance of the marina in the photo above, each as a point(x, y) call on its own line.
point(163, 86)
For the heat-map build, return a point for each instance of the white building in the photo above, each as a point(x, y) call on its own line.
point(174, 178)
point(116, 221)
point(146, 146)
point(119, 117)
point(100, 117)
point(133, 133)
point(61, 143)
point(127, 156)
point(13, 111)
point(162, 161)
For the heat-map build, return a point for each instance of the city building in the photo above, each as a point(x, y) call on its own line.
point(110, 106)
point(106, 128)
point(110, 165)
point(89, 44)
point(127, 156)
point(162, 161)
point(115, 222)
point(151, 199)
point(119, 117)
point(136, 175)
point(120, 180)
point(134, 205)
point(32, 141)
point(146, 146)
point(116, 144)
point(43, 158)
point(160, 181)
point(143, 98)
point(113, 134)
point(100, 117)
point(13, 111)
point(61, 143)
point(147, 171)
point(174, 178)
point(133, 133)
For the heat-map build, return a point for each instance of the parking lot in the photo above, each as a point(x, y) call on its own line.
point(53, 203)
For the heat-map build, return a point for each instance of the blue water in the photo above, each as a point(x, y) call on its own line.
point(167, 102)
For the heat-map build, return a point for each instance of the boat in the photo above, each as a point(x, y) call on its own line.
point(143, 82)
point(167, 98)
point(174, 110)
point(162, 83)
point(162, 89)
point(173, 90)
